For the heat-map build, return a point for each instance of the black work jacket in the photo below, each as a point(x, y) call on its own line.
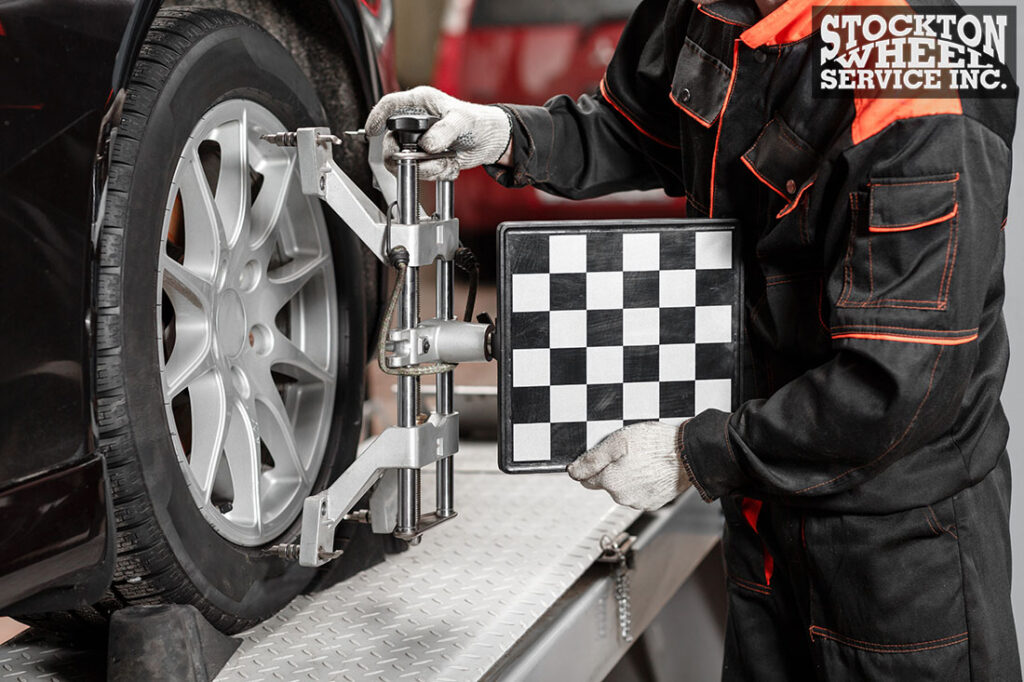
point(872, 239)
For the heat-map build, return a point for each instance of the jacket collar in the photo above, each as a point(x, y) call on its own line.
point(741, 13)
point(793, 21)
point(787, 24)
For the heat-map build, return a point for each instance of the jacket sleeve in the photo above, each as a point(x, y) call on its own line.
point(900, 367)
point(625, 137)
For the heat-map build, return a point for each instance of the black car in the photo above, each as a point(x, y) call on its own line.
point(183, 332)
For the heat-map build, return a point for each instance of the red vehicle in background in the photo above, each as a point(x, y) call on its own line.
point(525, 52)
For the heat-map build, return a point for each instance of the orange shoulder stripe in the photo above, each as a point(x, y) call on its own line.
point(787, 24)
point(794, 21)
point(875, 114)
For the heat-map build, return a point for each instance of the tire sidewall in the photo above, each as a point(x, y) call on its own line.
point(231, 62)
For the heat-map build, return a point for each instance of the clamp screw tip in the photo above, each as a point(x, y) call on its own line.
point(280, 139)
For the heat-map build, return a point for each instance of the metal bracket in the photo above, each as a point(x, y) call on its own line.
point(321, 177)
point(384, 504)
point(397, 448)
point(402, 450)
point(440, 341)
point(425, 241)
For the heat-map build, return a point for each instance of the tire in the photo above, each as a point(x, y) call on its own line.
point(189, 529)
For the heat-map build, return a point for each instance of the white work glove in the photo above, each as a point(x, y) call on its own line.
point(638, 465)
point(478, 134)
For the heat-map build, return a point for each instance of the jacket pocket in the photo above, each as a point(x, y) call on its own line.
point(903, 244)
point(783, 162)
point(886, 592)
point(700, 87)
point(700, 83)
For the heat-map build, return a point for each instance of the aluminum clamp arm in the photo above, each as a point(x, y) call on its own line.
point(321, 177)
point(397, 447)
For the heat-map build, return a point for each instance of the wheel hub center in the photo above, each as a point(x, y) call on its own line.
point(231, 325)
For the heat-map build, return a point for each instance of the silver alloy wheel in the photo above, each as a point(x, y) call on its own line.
point(248, 325)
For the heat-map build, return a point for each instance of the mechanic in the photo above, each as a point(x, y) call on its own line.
point(865, 481)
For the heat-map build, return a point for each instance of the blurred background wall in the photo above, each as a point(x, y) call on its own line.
point(417, 24)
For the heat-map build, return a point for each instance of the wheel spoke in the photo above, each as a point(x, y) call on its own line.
point(188, 291)
point(278, 433)
point(190, 360)
point(243, 454)
point(211, 418)
point(290, 360)
point(248, 324)
point(288, 280)
point(234, 183)
point(204, 229)
point(278, 185)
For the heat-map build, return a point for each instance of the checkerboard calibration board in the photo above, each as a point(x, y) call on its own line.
point(608, 323)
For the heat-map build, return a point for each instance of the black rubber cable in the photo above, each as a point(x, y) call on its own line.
point(467, 262)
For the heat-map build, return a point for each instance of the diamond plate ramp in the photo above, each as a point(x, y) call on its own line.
point(38, 660)
point(447, 609)
point(450, 607)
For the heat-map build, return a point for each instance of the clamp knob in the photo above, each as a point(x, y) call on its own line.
point(409, 128)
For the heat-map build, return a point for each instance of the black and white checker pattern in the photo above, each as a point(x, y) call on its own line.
point(607, 324)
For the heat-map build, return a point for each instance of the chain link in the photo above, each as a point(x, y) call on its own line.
point(622, 599)
point(619, 551)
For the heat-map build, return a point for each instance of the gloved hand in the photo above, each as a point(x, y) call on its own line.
point(477, 133)
point(638, 465)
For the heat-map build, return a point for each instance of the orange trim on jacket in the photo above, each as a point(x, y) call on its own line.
point(796, 200)
point(721, 120)
point(787, 24)
point(608, 98)
point(750, 167)
point(751, 510)
point(703, 122)
point(875, 114)
point(794, 20)
point(791, 202)
point(917, 226)
point(718, 17)
point(930, 340)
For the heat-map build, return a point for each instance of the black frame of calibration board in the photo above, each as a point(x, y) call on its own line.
point(511, 263)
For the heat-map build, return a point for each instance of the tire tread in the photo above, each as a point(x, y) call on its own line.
point(146, 571)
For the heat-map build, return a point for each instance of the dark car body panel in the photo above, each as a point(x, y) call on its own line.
point(60, 554)
point(63, 68)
